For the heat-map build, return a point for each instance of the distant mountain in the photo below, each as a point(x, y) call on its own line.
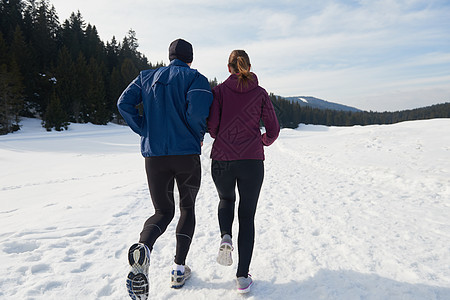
point(319, 103)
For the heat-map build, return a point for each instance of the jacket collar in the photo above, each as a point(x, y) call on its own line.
point(177, 62)
point(232, 83)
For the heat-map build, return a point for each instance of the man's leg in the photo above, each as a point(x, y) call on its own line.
point(188, 177)
point(161, 183)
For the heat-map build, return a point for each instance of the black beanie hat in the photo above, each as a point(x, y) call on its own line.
point(182, 50)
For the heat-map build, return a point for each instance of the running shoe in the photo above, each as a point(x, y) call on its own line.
point(178, 278)
point(244, 284)
point(137, 279)
point(225, 250)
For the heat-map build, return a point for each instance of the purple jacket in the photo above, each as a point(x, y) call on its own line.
point(234, 120)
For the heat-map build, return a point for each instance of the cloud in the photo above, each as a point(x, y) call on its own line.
point(329, 49)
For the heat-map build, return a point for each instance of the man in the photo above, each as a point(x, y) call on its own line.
point(176, 101)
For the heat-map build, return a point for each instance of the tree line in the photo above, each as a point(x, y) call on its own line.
point(290, 114)
point(63, 73)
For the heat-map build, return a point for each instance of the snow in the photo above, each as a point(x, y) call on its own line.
point(302, 99)
point(344, 213)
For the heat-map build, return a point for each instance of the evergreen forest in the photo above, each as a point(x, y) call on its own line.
point(290, 114)
point(62, 73)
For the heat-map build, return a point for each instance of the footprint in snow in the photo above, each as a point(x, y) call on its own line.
point(316, 232)
point(20, 247)
point(81, 233)
point(40, 268)
point(82, 268)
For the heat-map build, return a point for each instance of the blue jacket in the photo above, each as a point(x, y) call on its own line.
point(176, 102)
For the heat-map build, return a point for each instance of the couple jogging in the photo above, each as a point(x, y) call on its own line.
point(178, 108)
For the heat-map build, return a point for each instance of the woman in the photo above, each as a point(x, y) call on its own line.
point(237, 157)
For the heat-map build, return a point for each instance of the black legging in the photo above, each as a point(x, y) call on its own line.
point(161, 173)
point(248, 175)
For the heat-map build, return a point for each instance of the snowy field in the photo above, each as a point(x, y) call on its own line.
point(344, 213)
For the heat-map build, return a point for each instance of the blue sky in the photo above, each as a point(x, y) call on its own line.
point(373, 55)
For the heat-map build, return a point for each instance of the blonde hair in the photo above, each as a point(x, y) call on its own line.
point(240, 63)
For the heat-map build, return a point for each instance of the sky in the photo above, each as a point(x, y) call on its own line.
point(380, 55)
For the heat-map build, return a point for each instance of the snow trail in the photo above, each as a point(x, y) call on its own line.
point(344, 213)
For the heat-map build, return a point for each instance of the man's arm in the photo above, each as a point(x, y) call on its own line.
point(214, 114)
point(199, 99)
point(127, 102)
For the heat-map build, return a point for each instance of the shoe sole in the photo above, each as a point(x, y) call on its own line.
point(137, 257)
point(224, 257)
point(137, 282)
point(137, 286)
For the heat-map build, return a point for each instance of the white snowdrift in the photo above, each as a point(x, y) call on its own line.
point(345, 213)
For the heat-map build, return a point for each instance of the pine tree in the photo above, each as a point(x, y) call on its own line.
point(45, 35)
point(4, 55)
point(213, 83)
point(128, 71)
point(65, 83)
point(95, 107)
point(54, 116)
point(20, 52)
point(17, 99)
point(116, 86)
point(79, 96)
point(28, 22)
point(10, 17)
point(11, 97)
point(130, 45)
point(112, 54)
point(5, 114)
point(73, 35)
point(94, 46)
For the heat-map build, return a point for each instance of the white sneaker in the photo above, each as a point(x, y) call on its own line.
point(178, 278)
point(137, 280)
point(244, 284)
point(225, 250)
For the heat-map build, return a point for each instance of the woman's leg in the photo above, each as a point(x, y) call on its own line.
point(225, 182)
point(250, 175)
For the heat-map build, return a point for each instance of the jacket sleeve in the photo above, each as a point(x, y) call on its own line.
point(127, 102)
point(214, 114)
point(270, 122)
point(199, 99)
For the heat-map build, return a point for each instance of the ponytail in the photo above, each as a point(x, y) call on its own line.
point(240, 63)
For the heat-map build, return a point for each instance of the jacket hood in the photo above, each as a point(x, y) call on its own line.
point(232, 83)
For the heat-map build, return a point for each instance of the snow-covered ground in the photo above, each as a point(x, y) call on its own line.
point(344, 213)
